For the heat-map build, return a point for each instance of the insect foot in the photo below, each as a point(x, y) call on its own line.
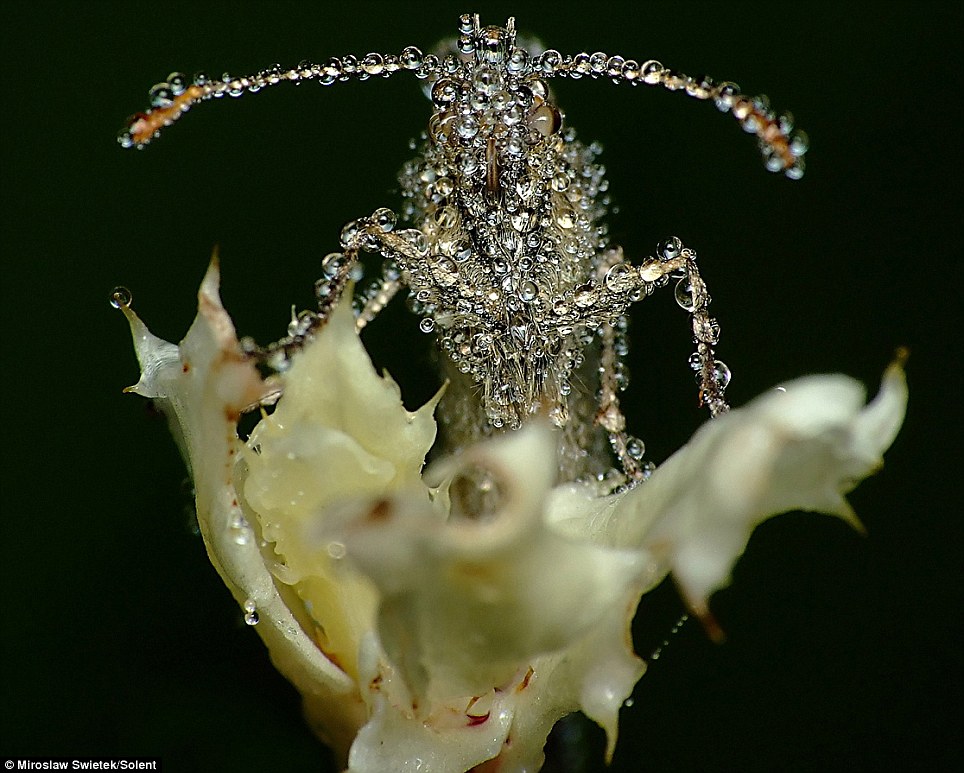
point(445, 617)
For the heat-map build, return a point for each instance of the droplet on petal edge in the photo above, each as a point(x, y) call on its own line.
point(120, 297)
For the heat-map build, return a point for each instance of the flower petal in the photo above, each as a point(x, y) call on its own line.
point(799, 447)
point(469, 603)
point(203, 385)
point(339, 434)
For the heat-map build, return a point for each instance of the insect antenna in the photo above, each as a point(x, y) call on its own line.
point(173, 97)
point(782, 147)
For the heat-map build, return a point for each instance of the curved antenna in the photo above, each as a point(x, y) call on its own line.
point(783, 148)
point(172, 98)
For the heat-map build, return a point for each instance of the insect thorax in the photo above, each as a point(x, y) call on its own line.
point(510, 207)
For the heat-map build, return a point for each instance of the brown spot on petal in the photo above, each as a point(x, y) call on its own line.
point(382, 511)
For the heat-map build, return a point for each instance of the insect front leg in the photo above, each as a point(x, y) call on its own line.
point(629, 450)
point(678, 262)
point(399, 251)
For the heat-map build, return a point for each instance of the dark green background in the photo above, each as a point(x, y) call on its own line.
point(118, 638)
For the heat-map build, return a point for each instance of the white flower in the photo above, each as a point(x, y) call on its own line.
point(423, 638)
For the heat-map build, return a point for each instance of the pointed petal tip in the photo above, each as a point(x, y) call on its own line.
point(711, 626)
point(894, 375)
point(846, 513)
point(211, 283)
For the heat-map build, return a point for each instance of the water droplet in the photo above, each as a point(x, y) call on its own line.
point(410, 58)
point(444, 92)
point(685, 296)
point(565, 218)
point(620, 278)
point(332, 263)
point(384, 218)
point(799, 144)
point(373, 64)
point(427, 325)
point(161, 95)
point(795, 172)
point(251, 616)
point(512, 116)
point(529, 291)
point(444, 186)
point(584, 295)
point(416, 239)
point(628, 703)
point(721, 374)
point(468, 127)
point(178, 82)
point(120, 297)
point(337, 550)
point(670, 248)
point(546, 120)
point(772, 161)
point(635, 447)
point(350, 233)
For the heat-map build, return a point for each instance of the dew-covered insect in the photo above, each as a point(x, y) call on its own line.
point(506, 258)
point(444, 617)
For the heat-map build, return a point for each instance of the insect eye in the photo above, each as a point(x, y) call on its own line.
point(545, 119)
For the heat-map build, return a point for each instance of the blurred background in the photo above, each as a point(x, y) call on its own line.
point(118, 637)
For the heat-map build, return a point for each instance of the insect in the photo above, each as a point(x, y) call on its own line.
point(421, 611)
point(505, 255)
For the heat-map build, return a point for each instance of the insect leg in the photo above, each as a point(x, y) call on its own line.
point(613, 346)
point(676, 261)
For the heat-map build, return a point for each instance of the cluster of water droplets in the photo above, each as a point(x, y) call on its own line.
point(251, 616)
point(672, 632)
point(509, 207)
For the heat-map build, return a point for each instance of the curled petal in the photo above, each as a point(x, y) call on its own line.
point(339, 434)
point(802, 446)
point(202, 385)
point(467, 602)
